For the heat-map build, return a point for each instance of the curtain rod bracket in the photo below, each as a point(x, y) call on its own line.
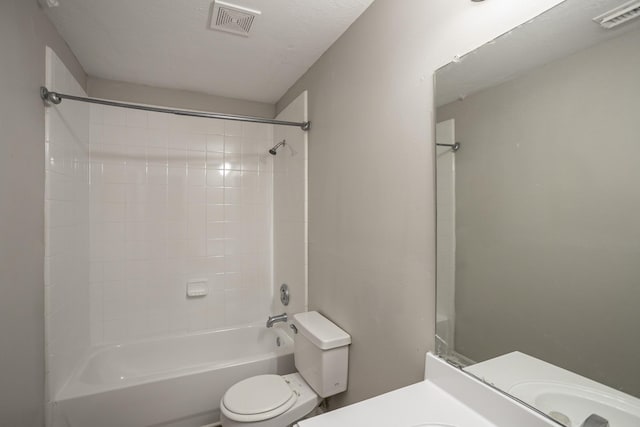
point(50, 97)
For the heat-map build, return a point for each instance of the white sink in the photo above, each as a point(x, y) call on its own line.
point(577, 402)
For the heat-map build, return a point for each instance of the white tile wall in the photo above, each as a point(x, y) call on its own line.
point(175, 199)
point(66, 228)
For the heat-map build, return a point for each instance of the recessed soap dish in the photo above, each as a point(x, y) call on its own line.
point(197, 288)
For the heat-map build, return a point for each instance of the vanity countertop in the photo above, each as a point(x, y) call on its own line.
point(421, 404)
point(448, 397)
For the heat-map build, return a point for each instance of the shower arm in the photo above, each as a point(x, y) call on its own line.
point(273, 151)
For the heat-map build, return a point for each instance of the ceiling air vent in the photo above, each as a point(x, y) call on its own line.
point(231, 18)
point(619, 15)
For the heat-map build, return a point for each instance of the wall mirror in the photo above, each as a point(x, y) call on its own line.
point(538, 212)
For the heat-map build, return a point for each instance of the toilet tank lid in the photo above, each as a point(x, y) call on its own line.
point(321, 331)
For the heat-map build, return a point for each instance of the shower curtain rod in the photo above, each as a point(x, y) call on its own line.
point(454, 147)
point(56, 98)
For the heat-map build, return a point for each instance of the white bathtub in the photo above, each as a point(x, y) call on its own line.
point(175, 381)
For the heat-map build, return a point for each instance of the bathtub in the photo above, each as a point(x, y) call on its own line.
point(176, 381)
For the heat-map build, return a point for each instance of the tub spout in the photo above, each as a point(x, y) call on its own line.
point(275, 319)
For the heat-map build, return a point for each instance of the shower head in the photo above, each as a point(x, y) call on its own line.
point(274, 150)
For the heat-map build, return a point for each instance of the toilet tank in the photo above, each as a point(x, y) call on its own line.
point(321, 353)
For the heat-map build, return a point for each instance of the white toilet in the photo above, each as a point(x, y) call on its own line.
point(321, 353)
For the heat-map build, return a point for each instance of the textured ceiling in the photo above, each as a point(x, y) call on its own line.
point(167, 43)
point(557, 33)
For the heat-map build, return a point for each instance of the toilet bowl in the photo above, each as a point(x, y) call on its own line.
point(321, 358)
point(268, 401)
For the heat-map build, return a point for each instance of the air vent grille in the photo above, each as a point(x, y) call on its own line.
point(231, 18)
point(619, 15)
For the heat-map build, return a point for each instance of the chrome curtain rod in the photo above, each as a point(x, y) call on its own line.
point(56, 98)
point(454, 147)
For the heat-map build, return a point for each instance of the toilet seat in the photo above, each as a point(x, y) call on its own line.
point(258, 398)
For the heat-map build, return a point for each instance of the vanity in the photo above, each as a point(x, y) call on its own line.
point(538, 239)
point(446, 398)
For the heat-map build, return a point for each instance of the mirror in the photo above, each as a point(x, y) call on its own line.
point(538, 213)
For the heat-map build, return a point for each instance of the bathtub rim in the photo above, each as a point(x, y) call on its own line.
point(66, 393)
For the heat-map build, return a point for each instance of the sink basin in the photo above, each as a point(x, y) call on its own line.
point(578, 402)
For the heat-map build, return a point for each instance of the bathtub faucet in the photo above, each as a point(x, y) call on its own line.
point(275, 319)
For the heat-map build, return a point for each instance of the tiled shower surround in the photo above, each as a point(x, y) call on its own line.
point(175, 199)
point(139, 204)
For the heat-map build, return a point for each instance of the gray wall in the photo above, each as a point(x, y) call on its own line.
point(24, 31)
point(130, 92)
point(548, 240)
point(371, 177)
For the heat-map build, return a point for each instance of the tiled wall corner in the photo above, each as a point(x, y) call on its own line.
point(66, 228)
point(290, 210)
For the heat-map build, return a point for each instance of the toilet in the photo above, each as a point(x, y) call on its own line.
point(321, 352)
